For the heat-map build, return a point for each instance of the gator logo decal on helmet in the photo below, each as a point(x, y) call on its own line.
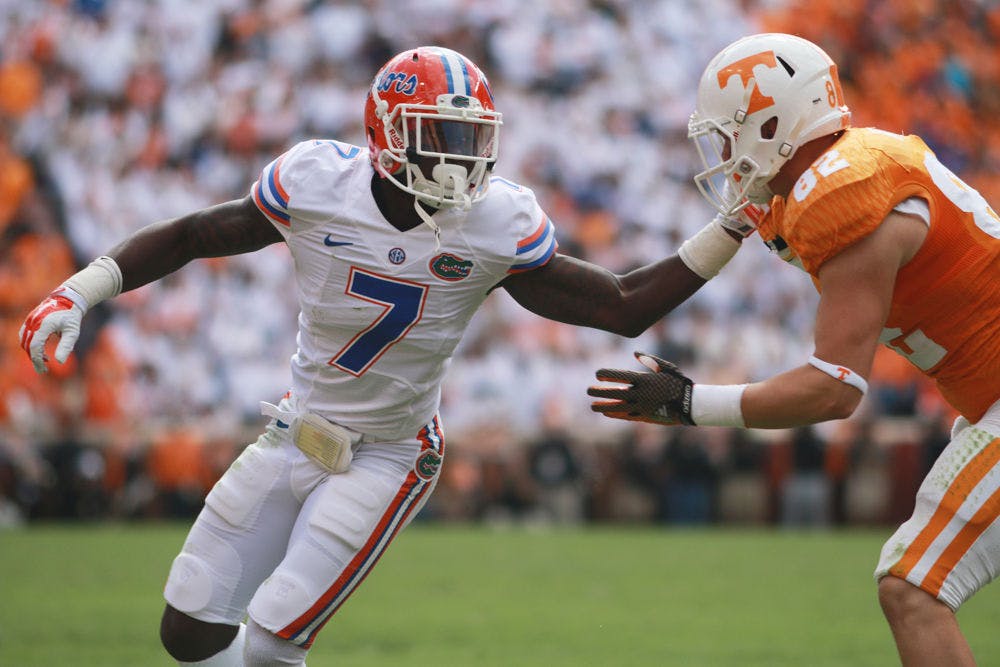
point(427, 464)
point(450, 267)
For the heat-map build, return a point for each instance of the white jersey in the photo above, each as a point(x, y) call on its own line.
point(381, 311)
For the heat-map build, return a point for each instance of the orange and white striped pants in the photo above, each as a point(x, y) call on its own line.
point(950, 547)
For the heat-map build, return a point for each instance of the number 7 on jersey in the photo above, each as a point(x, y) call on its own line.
point(403, 302)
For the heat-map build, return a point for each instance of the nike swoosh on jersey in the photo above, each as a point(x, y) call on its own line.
point(330, 242)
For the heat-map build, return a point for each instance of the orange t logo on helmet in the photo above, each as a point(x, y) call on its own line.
point(744, 68)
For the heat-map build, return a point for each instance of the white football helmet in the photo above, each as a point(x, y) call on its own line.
point(759, 99)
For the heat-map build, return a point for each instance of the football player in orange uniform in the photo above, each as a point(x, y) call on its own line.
point(903, 253)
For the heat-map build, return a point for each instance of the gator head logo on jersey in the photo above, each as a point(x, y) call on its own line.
point(427, 464)
point(449, 267)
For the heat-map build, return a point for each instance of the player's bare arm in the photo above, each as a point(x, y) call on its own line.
point(577, 292)
point(231, 228)
point(226, 229)
point(856, 294)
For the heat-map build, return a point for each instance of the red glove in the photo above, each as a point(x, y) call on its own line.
point(60, 313)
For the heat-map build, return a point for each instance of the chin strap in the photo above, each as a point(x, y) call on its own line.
point(429, 221)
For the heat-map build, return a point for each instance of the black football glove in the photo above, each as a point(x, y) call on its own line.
point(662, 396)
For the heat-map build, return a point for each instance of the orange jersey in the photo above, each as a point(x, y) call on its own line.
point(945, 313)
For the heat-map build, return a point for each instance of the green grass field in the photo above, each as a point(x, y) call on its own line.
point(469, 596)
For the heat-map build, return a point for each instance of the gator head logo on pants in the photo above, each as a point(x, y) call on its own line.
point(449, 267)
point(427, 465)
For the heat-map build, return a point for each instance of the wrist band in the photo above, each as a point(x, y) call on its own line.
point(717, 405)
point(99, 280)
point(842, 373)
point(709, 250)
point(74, 296)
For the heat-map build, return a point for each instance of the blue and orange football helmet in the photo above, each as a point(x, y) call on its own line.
point(431, 125)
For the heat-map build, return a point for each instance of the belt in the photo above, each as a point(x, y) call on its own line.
point(329, 445)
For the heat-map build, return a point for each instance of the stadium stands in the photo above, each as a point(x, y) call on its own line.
point(116, 114)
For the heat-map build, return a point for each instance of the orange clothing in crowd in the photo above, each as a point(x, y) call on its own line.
point(177, 461)
point(20, 87)
point(16, 182)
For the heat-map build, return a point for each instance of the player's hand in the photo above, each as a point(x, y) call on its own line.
point(662, 396)
point(60, 314)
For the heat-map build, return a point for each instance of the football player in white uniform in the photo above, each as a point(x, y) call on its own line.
point(394, 249)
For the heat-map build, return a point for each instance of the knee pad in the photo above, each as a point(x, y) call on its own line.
point(280, 600)
point(263, 649)
point(189, 584)
point(351, 506)
point(203, 576)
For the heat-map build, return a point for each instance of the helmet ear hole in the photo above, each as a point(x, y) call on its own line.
point(769, 128)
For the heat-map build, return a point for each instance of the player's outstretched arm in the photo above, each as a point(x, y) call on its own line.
point(231, 228)
point(151, 253)
point(856, 287)
point(577, 292)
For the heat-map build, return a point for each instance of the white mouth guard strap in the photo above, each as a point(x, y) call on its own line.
point(842, 373)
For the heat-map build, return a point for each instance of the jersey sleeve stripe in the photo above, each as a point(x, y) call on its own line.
point(267, 208)
point(537, 237)
point(273, 171)
point(534, 264)
point(509, 184)
point(270, 196)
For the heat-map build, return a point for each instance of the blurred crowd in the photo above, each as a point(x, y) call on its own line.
point(116, 114)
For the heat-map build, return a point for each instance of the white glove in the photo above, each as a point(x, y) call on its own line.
point(60, 313)
point(745, 221)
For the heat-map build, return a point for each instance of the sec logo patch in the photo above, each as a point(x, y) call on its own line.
point(397, 255)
